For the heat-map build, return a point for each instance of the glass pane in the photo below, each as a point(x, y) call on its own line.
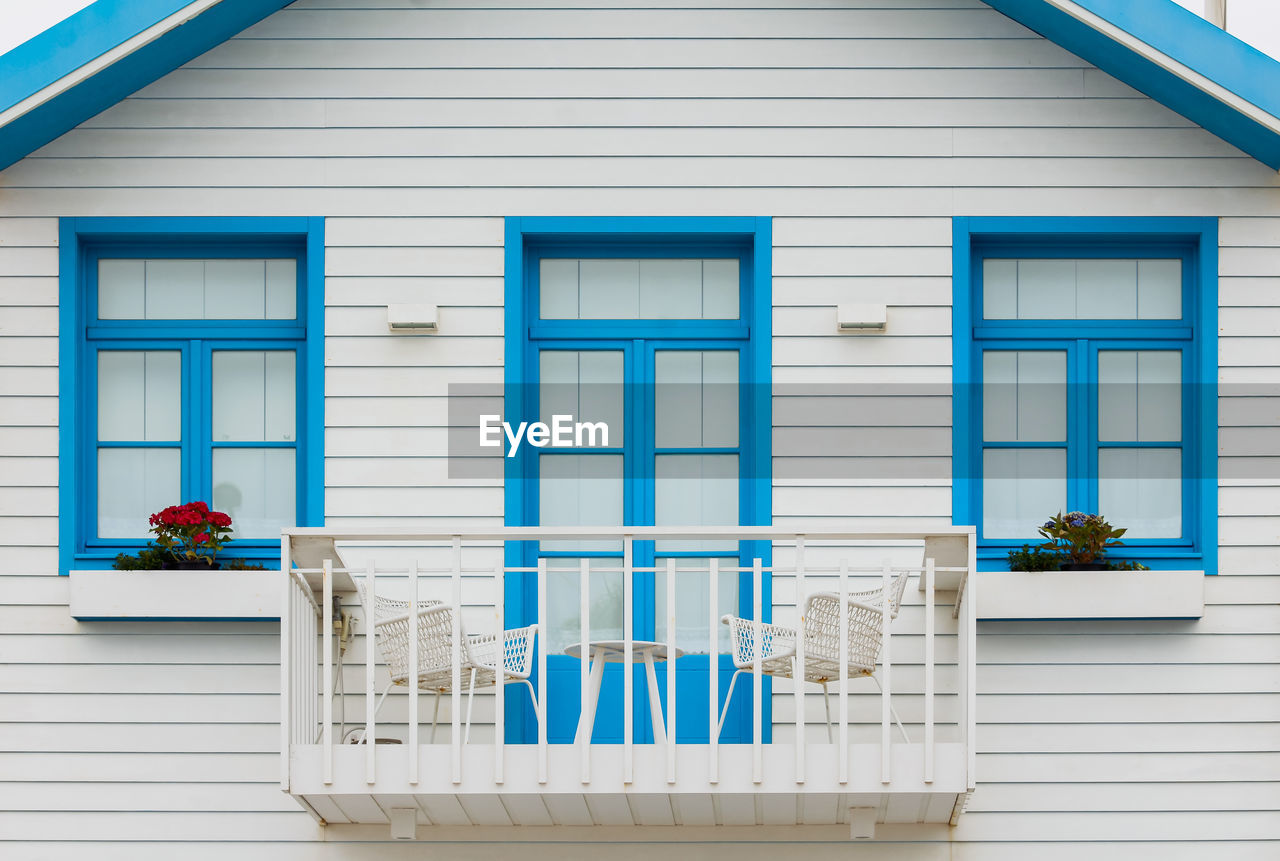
point(720, 289)
point(139, 395)
point(1140, 395)
point(282, 289)
point(254, 395)
point(671, 289)
point(696, 398)
point(695, 490)
point(1159, 289)
point(175, 289)
point(1024, 395)
point(585, 385)
point(693, 602)
point(1021, 489)
point(609, 289)
point(257, 487)
point(1084, 289)
point(235, 289)
point(121, 289)
point(580, 490)
point(558, 289)
point(133, 484)
point(604, 612)
point(1141, 489)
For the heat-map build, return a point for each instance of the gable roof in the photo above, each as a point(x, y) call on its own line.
point(88, 62)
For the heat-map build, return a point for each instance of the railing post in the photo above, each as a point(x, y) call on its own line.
point(930, 575)
point(757, 677)
point(286, 660)
point(971, 667)
point(327, 664)
point(370, 669)
point(413, 673)
point(584, 627)
point(886, 704)
point(499, 691)
point(842, 740)
point(455, 704)
point(713, 676)
point(671, 670)
point(540, 645)
point(797, 680)
point(628, 682)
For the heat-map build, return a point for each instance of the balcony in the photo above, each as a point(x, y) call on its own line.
point(514, 765)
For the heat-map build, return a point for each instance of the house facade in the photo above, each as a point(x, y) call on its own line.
point(856, 289)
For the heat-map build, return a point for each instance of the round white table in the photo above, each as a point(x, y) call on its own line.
point(601, 652)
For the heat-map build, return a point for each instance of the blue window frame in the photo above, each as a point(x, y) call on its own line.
point(1059, 403)
point(636, 346)
point(167, 360)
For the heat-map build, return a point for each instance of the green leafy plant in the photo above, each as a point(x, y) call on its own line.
point(149, 558)
point(1127, 566)
point(191, 532)
point(242, 565)
point(1034, 559)
point(1080, 538)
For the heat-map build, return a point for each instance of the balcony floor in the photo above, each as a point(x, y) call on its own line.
point(649, 799)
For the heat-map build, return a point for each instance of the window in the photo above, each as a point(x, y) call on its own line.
point(189, 375)
point(656, 328)
point(1085, 368)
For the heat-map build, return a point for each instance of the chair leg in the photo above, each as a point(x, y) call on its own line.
point(471, 698)
point(893, 712)
point(533, 694)
point(727, 699)
point(435, 713)
point(377, 708)
point(826, 703)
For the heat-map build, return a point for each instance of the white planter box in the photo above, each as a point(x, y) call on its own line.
point(171, 595)
point(1091, 595)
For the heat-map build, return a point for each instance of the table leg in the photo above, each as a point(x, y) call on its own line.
point(655, 701)
point(595, 680)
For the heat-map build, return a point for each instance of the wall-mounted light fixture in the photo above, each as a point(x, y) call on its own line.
point(413, 319)
point(861, 317)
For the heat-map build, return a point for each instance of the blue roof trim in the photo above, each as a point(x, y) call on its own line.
point(1182, 36)
point(90, 33)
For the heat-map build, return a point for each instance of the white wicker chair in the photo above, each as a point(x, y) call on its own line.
point(480, 653)
point(821, 644)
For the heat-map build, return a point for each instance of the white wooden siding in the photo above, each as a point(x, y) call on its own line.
point(862, 127)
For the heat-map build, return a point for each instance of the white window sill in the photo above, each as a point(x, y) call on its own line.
point(174, 595)
point(1090, 595)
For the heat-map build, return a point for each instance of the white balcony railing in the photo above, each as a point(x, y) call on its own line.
point(865, 761)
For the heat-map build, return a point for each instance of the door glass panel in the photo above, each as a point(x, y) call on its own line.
point(1140, 395)
point(693, 601)
point(564, 618)
point(638, 288)
point(133, 484)
point(1084, 289)
point(586, 385)
point(1141, 489)
point(254, 394)
point(1024, 395)
point(696, 398)
point(1021, 489)
point(257, 488)
point(580, 490)
point(139, 395)
point(187, 289)
point(695, 490)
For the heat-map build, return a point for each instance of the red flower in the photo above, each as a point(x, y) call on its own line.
point(201, 538)
point(217, 518)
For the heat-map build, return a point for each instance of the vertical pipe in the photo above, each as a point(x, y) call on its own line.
point(797, 678)
point(713, 676)
point(286, 661)
point(540, 645)
point(370, 666)
point(671, 670)
point(499, 692)
point(414, 621)
point(585, 718)
point(628, 683)
point(842, 739)
point(455, 704)
point(886, 704)
point(757, 677)
point(327, 663)
point(930, 575)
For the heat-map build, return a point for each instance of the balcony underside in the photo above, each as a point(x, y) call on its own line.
point(649, 799)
